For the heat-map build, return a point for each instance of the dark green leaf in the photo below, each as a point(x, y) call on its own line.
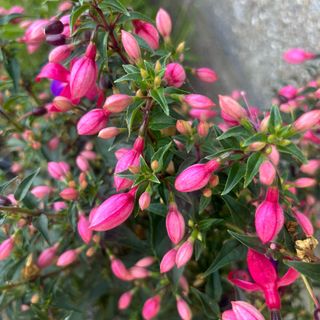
point(236, 173)
point(204, 202)
point(159, 97)
point(132, 112)
point(129, 77)
point(159, 155)
point(311, 270)
point(116, 5)
point(294, 151)
point(76, 14)
point(41, 223)
point(249, 241)
point(234, 132)
point(206, 224)
point(258, 137)
point(4, 185)
point(13, 68)
point(252, 168)
point(275, 120)
point(25, 185)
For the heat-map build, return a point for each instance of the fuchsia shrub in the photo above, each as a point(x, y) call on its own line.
point(126, 195)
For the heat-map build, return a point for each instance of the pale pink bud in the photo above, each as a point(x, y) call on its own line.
point(267, 173)
point(59, 206)
point(232, 108)
point(145, 262)
point(163, 23)
point(35, 32)
point(274, 155)
point(203, 129)
point(269, 218)
point(64, 6)
point(53, 143)
point(6, 248)
point(69, 194)
point(305, 182)
point(307, 121)
point(113, 211)
point(264, 124)
point(183, 309)
point(311, 136)
point(108, 133)
point(196, 176)
point(117, 102)
point(130, 45)
point(175, 75)
point(184, 285)
point(88, 154)
point(41, 191)
point(144, 200)
point(47, 256)
point(83, 229)
point(62, 104)
point(198, 101)
point(125, 300)
point(58, 170)
point(120, 270)
point(202, 114)
point(151, 308)
point(147, 32)
point(245, 311)
point(184, 253)
point(288, 92)
point(139, 272)
point(92, 122)
point(297, 56)
point(67, 257)
point(82, 163)
point(60, 53)
point(311, 167)
point(305, 223)
point(175, 224)
point(184, 127)
point(168, 261)
point(206, 75)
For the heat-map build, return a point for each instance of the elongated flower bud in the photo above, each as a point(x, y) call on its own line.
point(139, 272)
point(82, 163)
point(202, 114)
point(198, 101)
point(151, 308)
point(245, 311)
point(196, 176)
point(144, 200)
point(145, 262)
point(108, 133)
point(269, 218)
point(117, 102)
point(297, 56)
point(59, 206)
point(60, 53)
point(274, 156)
point(130, 45)
point(41, 191)
point(92, 122)
point(307, 121)
point(183, 309)
point(168, 261)
point(83, 229)
point(206, 75)
point(203, 129)
point(175, 224)
point(125, 300)
point(62, 104)
point(164, 23)
point(58, 170)
point(47, 256)
point(184, 127)
point(120, 270)
point(6, 248)
point(175, 75)
point(113, 211)
point(305, 182)
point(184, 253)
point(304, 223)
point(232, 108)
point(267, 173)
point(69, 194)
point(67, 257)
point(147, 32)
point(311, 167)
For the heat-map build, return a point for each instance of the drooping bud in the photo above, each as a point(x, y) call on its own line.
point(168, 261)
point(69, 194)
point(297, 56)
point(145, 262)
point(175, 75)
point(147, 32)
point(305, 223)
point(63, 104)
point(163, 23)
point(311, 167)
point(206, 75)
point(108, 133)
point(183, 309)
point(125, 300)
point(184, 253)
point(60, 53)
point(144, 200)
point(305, 182)
point(307, 121)
point(151, 308)
point(47, 256)
point(41, 192)
point(117, 102)
point(175, 224)
point(82, 163)
point(232, 108)
point(184, 127)
point(130, 45)
point(92, 122)
point(139, 272)
point(274, 155)
point(198, 101)
point(6, 248)
point(67, 258)
point(267, 173)
point(203, 129)
point(120, 270)
point(58, 170)
point(83, 229)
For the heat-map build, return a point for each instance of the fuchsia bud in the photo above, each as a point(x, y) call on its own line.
point(83, 229)
point(92, 122)
point(288, 92)
point(67, 257)
point(184, 253)
point(311, 167)
point(41, 191)
point(59, 206)
point(145, 262)
point(120, 152)
point(202, 114)
point(168, 261)
point(144, 200)
point(6, 248)
point(175, 224)
point(147, 32)
point(117, 102)
point(183, 283)
point(130, 45)
point(305, 223)
point(198, 101)
point(83, 73)
point(307, 121)
point(151, 308)
point(120, 270)
point(203, 129)
point(242, 311)
point(69, 194)
point(108, 133)
point(62, 104)
point(183, 309)
point(196, 176)
point(82, 163)
point(175, 75)
point(206, 75)
point(125, 300)
point(163, 23)
point(297, 56)
point(305, 183)
point(129, 159)
point(267, 173)
point(232, 108)
point(88, 154)
point(113, 211)
point(139, 272)
point(47, 256)
point(274, 156)
point(269, 217)
point(60, 53)
point(58, 170)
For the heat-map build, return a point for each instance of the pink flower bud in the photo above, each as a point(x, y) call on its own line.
point(228, 315)
point(82, 163)
point(264, 124)
point(183, 309)
point(69, 194)
point(267, 173)
point(184, 127)
point(288, 92)
point(67, 257)
point(311, 167)
point(125, 300)
point(53, 143)
point(47, 256)
point(311, 136)
point(184, 253)
point(35, 32)
point(269, 217)
point(232, 108)
point(108, 133)
point(202, 114)
point(198, 101)
point(41, 191)
point(88, 154)
point(305, 183)
point(120, 152)
point(83, 73)
point(307, 121)
point(163, 23)
point(175, 75)
point(59, 206)
point(274, 156)
point(196, 176)
point(139, 272)
point(151, 308)
point(92, 122)
point(113, 211)
point(58, 170)
point(60, 53)
point(64, 6)
point(83, 229)
point(117, 102)
point(145, 262)
point(168, 261)
point(175, 224)
point(297, 56)
point(120, 270)
point(184, 285)
point(144, 200)
point(305, 223)
point(6, 248)
point(203, 129)
point(147, 32)
point(62, 104)
point(206, 75)
point(245, 311)
point(130, 45)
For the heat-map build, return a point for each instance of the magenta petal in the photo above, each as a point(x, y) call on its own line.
point(245, 285)
point(288, 278)
point(54, 71)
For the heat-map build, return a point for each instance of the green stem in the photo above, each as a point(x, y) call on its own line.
point(10, 120)
point(15, 210)
point(310, 291)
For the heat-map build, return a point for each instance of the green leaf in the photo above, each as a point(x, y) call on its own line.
point(159, 155)
point(132, 112)
point(206, 224)
point(76, 14)
point(236, 173)
point(116, 5)
point(234, 132)
point(25, 185)
point(4, 185)
point(130, 77)
point(311, 270)
point(275, 120)
point(158, 96)
point(231, 251)
point(258, 137)
point(249, 241)
point(159, 120)
point(41, 223)
point(252, 168)
point(204, 202)
point(135, 16)
point(294, 151)
point(13, 68)
point(129, 68)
